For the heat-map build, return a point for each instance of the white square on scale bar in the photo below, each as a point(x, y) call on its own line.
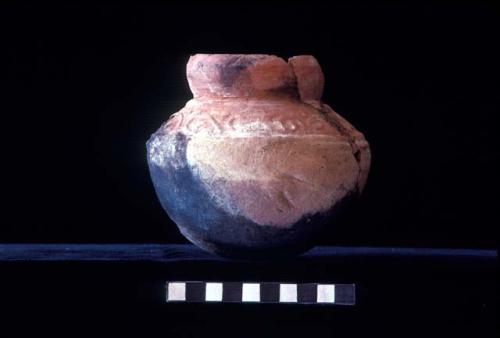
point(288, 293)
point(326, 293)
point(213, 292)
point(176, 291)
point(251, 292)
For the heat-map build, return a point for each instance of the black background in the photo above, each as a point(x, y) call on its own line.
point(87, 85)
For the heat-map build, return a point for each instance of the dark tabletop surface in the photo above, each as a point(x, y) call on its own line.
point(121, 288)
point(177, 252)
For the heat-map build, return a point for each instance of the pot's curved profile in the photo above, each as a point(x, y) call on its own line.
point(255, 164)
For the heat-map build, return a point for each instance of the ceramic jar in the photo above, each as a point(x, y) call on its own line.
point(255, 165)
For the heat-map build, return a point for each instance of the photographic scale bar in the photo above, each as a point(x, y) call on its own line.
point(266, 292)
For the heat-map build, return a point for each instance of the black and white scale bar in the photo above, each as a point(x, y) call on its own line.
point(267, 292)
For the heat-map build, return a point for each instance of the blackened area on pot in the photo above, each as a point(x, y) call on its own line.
point(268, 242)
point(184, 197)
point(179, 194)
point(232, 68)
